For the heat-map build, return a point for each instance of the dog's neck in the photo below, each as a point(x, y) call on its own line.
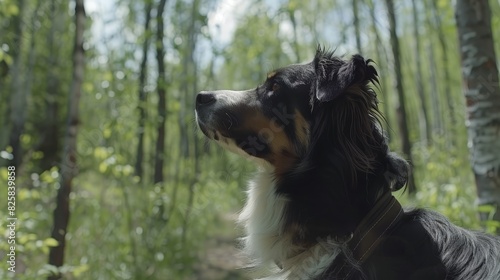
point(324, 205)
point(269, 243)
point(271, 238)
point(262, 218)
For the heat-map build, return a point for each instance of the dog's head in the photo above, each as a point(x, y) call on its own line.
point(305, 115)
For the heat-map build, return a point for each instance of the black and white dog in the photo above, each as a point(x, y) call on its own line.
point(321, 205)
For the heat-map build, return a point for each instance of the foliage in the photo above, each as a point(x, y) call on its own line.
point(446, 183)
point(116, 231)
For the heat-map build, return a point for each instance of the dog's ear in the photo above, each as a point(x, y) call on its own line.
point(334, 75)
point(398, 171)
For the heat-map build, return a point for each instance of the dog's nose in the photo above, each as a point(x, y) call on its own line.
point(204, 98)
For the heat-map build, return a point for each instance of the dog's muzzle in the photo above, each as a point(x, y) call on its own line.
point(205, 102)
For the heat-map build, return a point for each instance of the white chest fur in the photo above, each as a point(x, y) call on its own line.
point(266, 241)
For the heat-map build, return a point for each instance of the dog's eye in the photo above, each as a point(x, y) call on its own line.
point(275, 87)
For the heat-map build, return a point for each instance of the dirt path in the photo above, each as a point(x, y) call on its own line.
point(221, 259)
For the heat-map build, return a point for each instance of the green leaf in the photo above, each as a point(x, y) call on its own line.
point(77, 271)
point(50, 242)
point(103, 167)
point(12, 10)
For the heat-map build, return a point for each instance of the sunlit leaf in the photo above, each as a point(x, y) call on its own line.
point(26, 139)
point(12, 9)
point(50, 242)
point(79, 270)
point(103, 167)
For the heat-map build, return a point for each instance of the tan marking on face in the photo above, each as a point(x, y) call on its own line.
point(301, 128)
point(283, 155)
point(271, 74)
point(283, 161)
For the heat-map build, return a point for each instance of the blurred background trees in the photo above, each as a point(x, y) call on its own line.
point(152, 200)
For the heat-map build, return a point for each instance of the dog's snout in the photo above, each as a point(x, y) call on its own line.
point(204, 98)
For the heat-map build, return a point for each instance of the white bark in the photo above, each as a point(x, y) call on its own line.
point(482, 94)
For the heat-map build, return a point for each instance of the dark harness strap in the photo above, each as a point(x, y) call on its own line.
point(378, 222)
point(367, 236)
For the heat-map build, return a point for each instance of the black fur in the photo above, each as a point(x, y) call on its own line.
point(348, 161)
point(337, 176)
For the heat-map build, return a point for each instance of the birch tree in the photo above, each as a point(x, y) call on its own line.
point(68, 166)
point(482, 95)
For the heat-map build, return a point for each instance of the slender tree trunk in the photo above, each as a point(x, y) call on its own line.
point(129, 211)
point(32, 54)
point(437, 126)
point(437, 117)
point(162, 98)
point(357, 33)
point(379, 52)
point(183, 126)
point(425, 127)
point(29, 77)
point(444, 61)
point(481, 88)
point(4, 117)
point(194, 88)
point(293, 20)
point(189, 86)
point(142, 94)
point(343, 27)
point(401, 109)
point(69, 166)
point(18, 95)
point(49, 143)
point(316, 10)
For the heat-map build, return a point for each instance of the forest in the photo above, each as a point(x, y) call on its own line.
point(105, 175)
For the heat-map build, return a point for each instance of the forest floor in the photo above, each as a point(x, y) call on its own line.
point(221, 259)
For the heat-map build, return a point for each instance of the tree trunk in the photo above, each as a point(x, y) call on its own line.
point(18, 95)
point(162, 99)
point(437, 126)
point(32, 54)
point(194, 88)
point(437, 117)
point(49, 143)
point(142, 94)
point(191, 44)
point(357, 34)
point(425, 127)
point(68, 166)
point(401, 109)
point(293, 20)
point(189, 87)
point(185, 87)
point(444, 62)
point(383, 88)
point(482, 95)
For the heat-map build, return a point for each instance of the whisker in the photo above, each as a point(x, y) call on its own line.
point(230, 121)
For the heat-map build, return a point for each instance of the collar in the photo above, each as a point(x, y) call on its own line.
point(378, 222)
